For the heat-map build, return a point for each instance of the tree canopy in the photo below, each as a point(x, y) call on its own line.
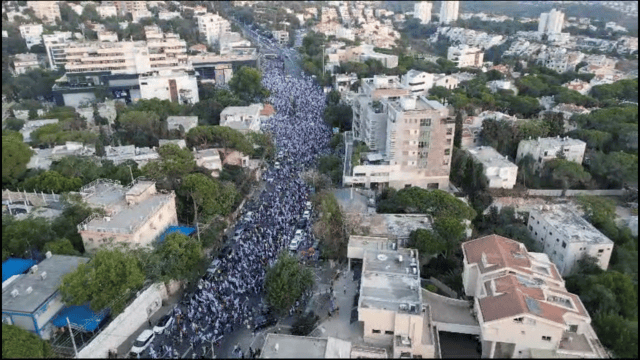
point(174, 163)
point(218, 136)
point(247, 84)
point(286, 281)
point(18, 343)
point(15, 157)
point(179, 255)
point(209, 196)
point(105, 281)
point(330, 227)
point(415, 200)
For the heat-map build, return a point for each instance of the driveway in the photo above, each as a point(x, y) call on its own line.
point(458, 346)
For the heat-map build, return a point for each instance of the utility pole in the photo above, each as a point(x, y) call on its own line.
point(130, 173)
point(73, 341)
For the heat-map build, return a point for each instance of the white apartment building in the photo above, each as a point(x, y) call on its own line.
point(54, 44)
point(419, 82)
point(47, 11)
point(546, 149)
point(176, 85)
point(182, 123)
point(123, 7)
point(168, 15)
point(281, 36)
point(138, 15)
point(449, 11)
point(32, 34)
point(559, 59)
point(411, 138)
point(567, 237)
point(465, 56)
point(446, 81)
point(422, 11)
point(120, 154)
point(24, 62)
point(209, 159)
point(500, 172)
point(135, 215)
point(522, 305)
point(242, 118)
point(212, 26)
point(106, 11)
point(551, 22)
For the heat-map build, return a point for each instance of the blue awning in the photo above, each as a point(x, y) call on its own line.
point(15, 266)
point(82, 318)
point(186, 230)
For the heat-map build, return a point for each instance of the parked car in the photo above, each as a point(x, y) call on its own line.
point(301, 224)
point(299, 234)
point(277, 165)
point(264, 321)
point(164, 323)
point(226, 251)
point(142, 342)
point(308, 205)
point(306, 215)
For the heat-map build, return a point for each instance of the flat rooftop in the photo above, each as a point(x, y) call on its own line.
point(293, 347)
point(388, 283)
point(489, 157)
point(554, 142)
point(572, 226)
point(56, 267)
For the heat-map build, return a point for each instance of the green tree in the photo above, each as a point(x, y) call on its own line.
point(20, 237)
point(61, 247)
point(330, 227)
point(218, 136)
point(451, 230)
point(14, 124)
point(52, 181)
point(566, 174)
point(331, 165)
point(15, 157)
point(18, 343)
point(105, 281)
point(615, 169)
point(421, 201)
point(618, 334)
point(174, 164)
point(286, 281)
point(340, 116)
point(142, 128)
point(209, 196)
point(427, 242)
point(247, 84)
point(180, 255)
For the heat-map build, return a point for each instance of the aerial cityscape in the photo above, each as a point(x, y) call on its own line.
point(218, 179)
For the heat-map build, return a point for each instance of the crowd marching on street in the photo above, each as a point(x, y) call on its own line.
point(223, 302)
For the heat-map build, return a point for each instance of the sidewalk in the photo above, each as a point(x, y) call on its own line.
point(125, 347)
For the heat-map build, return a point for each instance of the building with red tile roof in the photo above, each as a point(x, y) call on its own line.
point(522, 305)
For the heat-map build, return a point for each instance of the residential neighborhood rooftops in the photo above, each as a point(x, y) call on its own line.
point(572, 226)
point(489, 157)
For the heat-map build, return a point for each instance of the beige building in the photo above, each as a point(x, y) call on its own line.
point(281, 346)
point(135, 215)
point(174, 85)
point(25, 62)
point(566, 237)
point(390, 305)
point(547, 149)
point(106, 11)
point(465, 56)
point(422, 11)
point(522, 305)
point(449, 11)
point(281, 36)
point(411, 138)
point(47, 11)
point(32, 34)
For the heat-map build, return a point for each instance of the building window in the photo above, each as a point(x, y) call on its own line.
point(519, 320)
point(375, 331)
point(447, 151)
point(407, 186)
point(564, 245)
point(550, 233)
point(530, 227)
point(387, 332)
point(449, 131)
point(601, 251)
point(522, 332)
point(546, 338)
point(573, 328)
point(425, 122)
point(432, 185)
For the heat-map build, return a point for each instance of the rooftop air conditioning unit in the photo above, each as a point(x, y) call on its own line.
point(43, 275)
point(14, 292)
point(107, 218)
point(33, 269)
point(48, 254)
point(415, 271)
point(399, 258)
point(29, 290)
point(403, 306)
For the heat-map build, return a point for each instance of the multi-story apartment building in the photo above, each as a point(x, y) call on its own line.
point(422, 11)
point(559, 59)
point(500, 172)
point(281, 36)
point(551, 22)
point(175, 85)
point(212, 26)
point(135, 215)
point(47, 11)
point(419, 82)
point(465, 56)
point(124, 7)
point(24, 62)
point(522, 305)
point(412, 138)
point(54, 45)
point(546, 149)
point(567, 237)
point(106, 11)
point(32, 34)
point(449, 11)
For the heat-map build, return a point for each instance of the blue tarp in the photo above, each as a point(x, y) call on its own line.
point(15, 266)
point(182, 229)
point(81, 318)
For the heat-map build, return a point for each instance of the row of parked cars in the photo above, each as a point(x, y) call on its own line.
point(146, 337)
point(298, 238)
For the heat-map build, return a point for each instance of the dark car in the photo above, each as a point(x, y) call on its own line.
point(301, 224)
point(225, 252)
point(264, 321)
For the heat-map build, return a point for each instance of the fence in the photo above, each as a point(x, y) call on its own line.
point(560, 192)
point(34, 198)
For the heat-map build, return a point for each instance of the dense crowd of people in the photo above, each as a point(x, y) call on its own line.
point(223, 301)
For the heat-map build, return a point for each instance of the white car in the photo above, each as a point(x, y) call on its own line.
point(249, 216)
point(293, 246)
point(277, 165)
point(142, 342)
point(306, 214)
point(164, 323)
point(309, 205)
point(299, 234)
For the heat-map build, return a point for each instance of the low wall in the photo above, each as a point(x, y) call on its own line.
point(444, 288)
point(128, 322)
point(559, 192)
point(458, 328)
